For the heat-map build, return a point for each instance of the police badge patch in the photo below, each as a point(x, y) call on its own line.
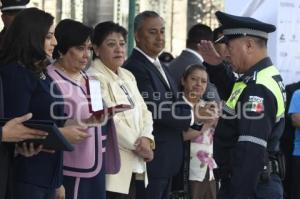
point(255, 104)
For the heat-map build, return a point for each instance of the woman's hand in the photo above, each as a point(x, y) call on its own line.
point(215, 110)
point(97, 120)
point(92, 121)
point(75, 133)
point(28, 150)
point(192, 133)
point(60, 193)
point(15, 131)
point(206, 113)
point(143, 149)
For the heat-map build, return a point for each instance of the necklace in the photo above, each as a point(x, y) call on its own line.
point(77, 77)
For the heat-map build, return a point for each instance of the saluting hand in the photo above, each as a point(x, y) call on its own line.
point(209, 53)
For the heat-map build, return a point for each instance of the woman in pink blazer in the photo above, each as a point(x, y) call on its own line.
point(84, 168)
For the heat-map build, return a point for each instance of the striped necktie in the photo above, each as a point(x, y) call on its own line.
point(161, 70)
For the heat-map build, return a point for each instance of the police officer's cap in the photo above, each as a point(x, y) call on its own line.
point(13, 5)
point(236, 26)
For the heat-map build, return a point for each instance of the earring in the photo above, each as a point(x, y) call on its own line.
point(60, 54)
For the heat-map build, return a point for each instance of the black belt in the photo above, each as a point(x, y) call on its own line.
point(273, 167)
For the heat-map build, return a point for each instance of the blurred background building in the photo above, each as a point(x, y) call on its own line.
point(179, 15)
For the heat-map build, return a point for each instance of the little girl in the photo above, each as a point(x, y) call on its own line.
point(201, 163)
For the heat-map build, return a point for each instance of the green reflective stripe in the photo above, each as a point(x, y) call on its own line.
point(235, 94)
point(264, 77)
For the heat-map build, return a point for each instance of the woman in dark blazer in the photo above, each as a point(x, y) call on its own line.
point(27, 88)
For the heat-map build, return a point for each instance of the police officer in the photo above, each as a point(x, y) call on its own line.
point(246, 141)
point(9, 9)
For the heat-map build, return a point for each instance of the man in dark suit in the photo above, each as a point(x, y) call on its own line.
point(171, 114)
point(190, 55)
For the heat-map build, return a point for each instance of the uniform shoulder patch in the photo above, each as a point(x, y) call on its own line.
point(255, 104)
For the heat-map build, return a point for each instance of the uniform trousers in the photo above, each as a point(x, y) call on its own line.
point(265, 190)
point(295, 189)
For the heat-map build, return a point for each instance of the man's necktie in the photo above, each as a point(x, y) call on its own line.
point(161, 70)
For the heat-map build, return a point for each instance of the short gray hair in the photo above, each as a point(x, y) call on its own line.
point(141, 17)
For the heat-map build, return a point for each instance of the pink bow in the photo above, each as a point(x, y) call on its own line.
point(205, 159)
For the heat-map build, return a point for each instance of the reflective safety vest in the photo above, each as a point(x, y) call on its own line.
point(264, 77)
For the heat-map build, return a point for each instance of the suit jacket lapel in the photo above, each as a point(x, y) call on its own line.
point(152, 67)
point(113, 85)
point(173, 86)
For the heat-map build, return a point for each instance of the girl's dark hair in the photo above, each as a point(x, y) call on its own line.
point(25, 38)
point(102, 30)
point(70, 33)
point(189, 70)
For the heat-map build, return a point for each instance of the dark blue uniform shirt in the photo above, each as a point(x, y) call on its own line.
point(243, 161)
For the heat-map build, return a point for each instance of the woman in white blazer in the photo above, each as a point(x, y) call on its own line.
point(134, 127)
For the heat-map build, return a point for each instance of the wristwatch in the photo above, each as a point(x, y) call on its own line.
point(197, 126)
